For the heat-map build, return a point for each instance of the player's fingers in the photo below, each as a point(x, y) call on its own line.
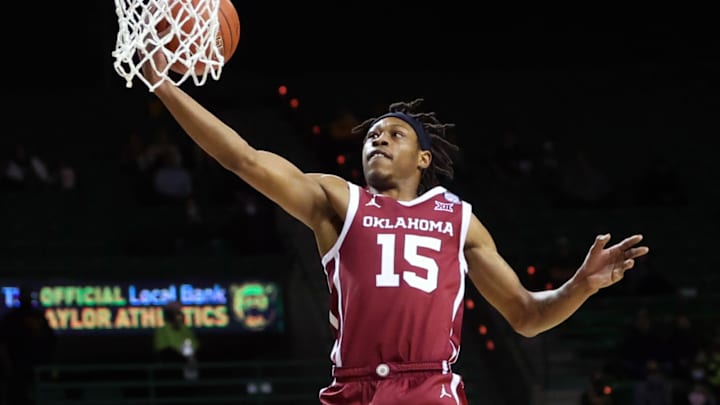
point(600, 242)
point(630, 241)
point(636, 252)
point(628, 264)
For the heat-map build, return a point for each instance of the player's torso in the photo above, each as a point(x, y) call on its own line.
point(397, 279)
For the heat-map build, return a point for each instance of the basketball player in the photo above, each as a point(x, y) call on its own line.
point(396, 253)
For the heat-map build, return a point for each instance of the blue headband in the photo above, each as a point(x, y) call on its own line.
point(423, 138)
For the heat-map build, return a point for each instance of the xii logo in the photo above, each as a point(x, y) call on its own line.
point(443, 206)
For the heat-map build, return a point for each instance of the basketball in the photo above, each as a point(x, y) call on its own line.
point(228, 35)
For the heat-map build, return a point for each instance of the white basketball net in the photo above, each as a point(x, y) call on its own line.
point(194, 25)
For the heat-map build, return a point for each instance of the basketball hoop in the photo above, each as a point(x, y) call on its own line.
point(184, 30)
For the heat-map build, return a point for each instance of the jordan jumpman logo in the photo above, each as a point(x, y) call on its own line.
point(444, 393)
point(372, 203)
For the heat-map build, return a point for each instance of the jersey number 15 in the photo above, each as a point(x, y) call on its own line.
point(411, 243)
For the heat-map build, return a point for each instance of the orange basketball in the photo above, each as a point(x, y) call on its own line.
point(228, 35)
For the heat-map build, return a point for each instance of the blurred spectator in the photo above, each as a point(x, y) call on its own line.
point(549, 170)
point(660, 186)
point(67, 177)
point(562, 260)
point(639, 345)
point(595, 391)
point(195, 232)
point(700, 394)
point(24, 170)
point(134, 154)
point(712, 366)
point(136, 162)
point(655, 388)
point(698, 371)
point(648, 280)
point(192, 210)
point(251, 211)
point(171, 181)
point(163, 149)
point(513, 159)
point(340, 128)
point(27, 341)
point(583, 184)
point(175, 342)
point(683, 344)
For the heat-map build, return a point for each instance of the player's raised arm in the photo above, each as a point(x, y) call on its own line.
point(274, 176)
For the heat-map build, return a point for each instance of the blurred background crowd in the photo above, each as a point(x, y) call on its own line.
point(567, 128)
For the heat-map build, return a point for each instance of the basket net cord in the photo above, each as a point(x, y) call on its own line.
point(138, 40)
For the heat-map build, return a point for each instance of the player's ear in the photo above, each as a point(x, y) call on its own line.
point(424, 159)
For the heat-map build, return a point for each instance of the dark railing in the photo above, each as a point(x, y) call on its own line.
point(294, 382)
point(266, 382)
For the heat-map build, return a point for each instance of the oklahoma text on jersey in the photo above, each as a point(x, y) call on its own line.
point(417, 224)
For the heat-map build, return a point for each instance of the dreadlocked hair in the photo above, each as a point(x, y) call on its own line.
point(440, 147)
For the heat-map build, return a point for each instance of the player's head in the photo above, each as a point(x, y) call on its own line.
point(405, 144)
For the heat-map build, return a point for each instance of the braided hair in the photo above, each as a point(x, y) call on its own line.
point(441, 148)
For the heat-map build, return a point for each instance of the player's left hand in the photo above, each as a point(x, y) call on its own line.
point(604, 267)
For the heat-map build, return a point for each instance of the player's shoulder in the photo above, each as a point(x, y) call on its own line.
point(442, 193)
point(336, 190)
point(328, 180)
point(452, 197)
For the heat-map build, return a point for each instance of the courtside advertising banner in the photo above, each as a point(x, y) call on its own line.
point(75, 307)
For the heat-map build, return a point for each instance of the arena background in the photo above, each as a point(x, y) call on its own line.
point(534, 94)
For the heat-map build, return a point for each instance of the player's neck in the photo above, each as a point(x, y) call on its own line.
point(399, 193)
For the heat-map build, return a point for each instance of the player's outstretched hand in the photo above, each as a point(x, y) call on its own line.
point(605, 266)
point(154, 63)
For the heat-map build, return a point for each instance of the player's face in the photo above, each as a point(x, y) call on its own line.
point(391, 153)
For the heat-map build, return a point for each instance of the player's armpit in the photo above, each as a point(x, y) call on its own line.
point(494, 278)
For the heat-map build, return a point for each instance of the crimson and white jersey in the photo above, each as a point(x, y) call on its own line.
point(397, 279)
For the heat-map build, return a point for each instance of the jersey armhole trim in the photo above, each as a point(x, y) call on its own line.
point(464, 227)
point(353, 202)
